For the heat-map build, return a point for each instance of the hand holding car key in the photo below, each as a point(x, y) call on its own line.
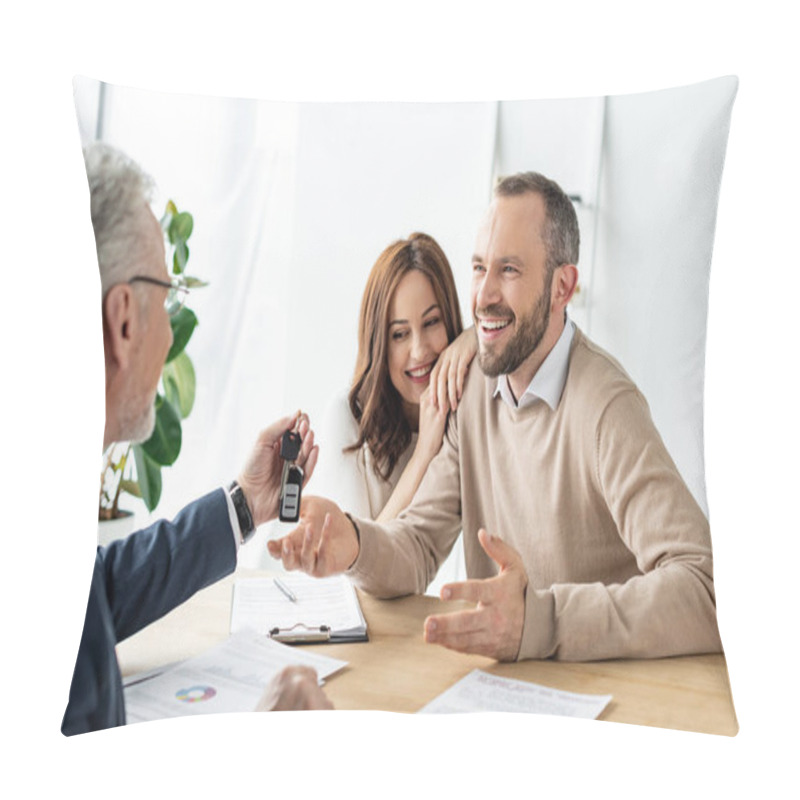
point(292, 478)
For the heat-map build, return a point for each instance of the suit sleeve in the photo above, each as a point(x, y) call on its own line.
point(156, 569)
point(667, 610)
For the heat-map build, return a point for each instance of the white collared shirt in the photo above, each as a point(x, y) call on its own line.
point(548, 382)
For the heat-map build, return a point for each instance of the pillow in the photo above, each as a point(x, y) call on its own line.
point(292, 203)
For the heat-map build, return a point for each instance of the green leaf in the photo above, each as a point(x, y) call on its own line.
point(193, 283)
point(149, 477)
point(180, 229)
point(166, 221)
point(180, 257)
point(131, 487)
point(183, 325)
point(164, 446)
point(179, 384)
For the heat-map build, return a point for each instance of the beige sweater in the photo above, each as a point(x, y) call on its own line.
point(617, 551)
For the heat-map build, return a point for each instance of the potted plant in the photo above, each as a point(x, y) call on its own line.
point(136, 468)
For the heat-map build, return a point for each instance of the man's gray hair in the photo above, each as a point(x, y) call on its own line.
point(119, 191)
point(561, 234)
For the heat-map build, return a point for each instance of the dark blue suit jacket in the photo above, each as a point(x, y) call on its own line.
point(136, 581)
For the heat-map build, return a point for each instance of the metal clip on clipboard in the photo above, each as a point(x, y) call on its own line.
point(305, 634)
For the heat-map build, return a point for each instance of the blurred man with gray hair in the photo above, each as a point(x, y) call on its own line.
point(139, 579)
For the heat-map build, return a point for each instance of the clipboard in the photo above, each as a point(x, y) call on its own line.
point(299, 609)
point(304, 634)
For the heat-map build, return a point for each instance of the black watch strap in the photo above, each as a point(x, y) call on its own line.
point(246, 524)
point(358, 536)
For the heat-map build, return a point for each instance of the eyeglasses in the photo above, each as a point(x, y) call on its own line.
point(176, 294)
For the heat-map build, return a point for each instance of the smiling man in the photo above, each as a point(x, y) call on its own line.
point(581, 540)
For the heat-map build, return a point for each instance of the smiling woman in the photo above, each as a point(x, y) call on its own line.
point(417, 335)
point(383, 435)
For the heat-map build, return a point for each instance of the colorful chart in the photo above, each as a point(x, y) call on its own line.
point(195, 694)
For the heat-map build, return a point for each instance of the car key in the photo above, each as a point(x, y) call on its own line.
point(290, 445)
point(292, 478)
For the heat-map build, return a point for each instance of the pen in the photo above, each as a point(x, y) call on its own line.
point(285, 589)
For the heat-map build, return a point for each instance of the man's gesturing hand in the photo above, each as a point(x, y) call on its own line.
point(494, 627)
point(324, 543)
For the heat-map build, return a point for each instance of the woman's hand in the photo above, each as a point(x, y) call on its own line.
point(447, 376)
point(432, 421)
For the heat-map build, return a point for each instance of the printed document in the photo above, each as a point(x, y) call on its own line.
point(229, 677)
point(480, 691)
point(259, 603)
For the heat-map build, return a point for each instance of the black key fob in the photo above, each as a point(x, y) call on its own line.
point(291, 486)
point(290, 445)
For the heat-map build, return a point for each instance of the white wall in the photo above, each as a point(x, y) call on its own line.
point(660, 177)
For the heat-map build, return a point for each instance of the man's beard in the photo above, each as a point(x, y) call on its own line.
point(531, 331)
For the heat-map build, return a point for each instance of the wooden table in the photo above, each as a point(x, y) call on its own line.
point(397, 671)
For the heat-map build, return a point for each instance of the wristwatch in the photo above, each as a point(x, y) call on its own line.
point(246, 525)
point(358, 537)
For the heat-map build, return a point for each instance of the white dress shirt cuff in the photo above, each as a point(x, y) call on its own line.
point(237, 531)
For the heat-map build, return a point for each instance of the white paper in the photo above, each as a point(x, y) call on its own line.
point(147, 674)
point(259, 604)
point(480, 691)
point(229, 677)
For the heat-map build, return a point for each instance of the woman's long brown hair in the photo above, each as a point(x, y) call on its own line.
point(374, 402)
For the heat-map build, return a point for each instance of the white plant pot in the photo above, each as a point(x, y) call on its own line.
point(109, 530)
